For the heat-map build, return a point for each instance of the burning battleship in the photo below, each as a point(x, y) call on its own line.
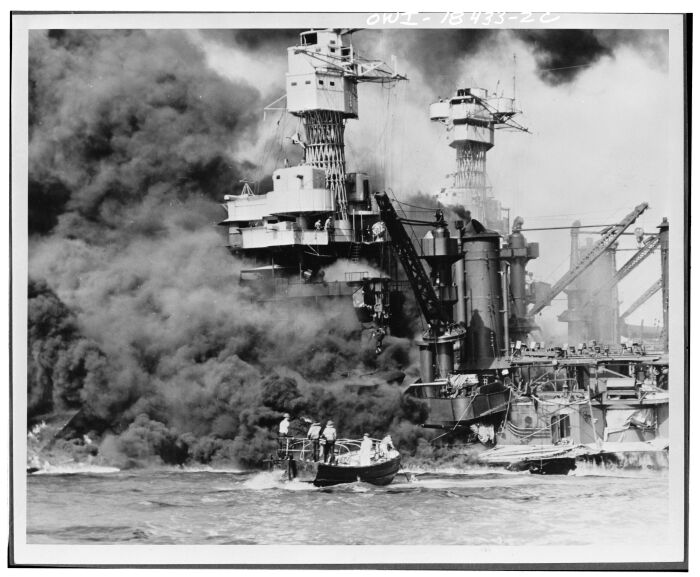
point(487, 372)
point(317, 212)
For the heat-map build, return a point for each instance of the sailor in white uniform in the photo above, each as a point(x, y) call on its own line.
point(365, 451)
point(284, 426)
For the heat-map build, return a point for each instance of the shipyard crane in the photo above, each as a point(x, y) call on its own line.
point(649, 246)
point(609, 237)
point(650, 292)
point(420, 282)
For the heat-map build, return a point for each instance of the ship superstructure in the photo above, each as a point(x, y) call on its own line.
point(317, 212)
point(470, 118)
point(486, 369)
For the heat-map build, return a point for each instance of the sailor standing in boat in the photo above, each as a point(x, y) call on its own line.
point(365, 451)
point(386, 445)
point(330, 435)
point(283, 437)
point(284, 426)
point(314, 435)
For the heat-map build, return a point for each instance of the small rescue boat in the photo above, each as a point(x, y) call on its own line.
point(296, 459)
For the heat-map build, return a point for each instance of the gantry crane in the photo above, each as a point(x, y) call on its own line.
point(608, 238)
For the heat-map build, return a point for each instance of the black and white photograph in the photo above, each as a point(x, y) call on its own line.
point(344, 290)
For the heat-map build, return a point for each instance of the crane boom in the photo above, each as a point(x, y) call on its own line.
point(650, 292)
point(354, 67)
point(649, 247)
point(605, 242)
point(422, 287)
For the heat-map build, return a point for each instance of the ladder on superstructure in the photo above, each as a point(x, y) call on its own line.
point(604, 243)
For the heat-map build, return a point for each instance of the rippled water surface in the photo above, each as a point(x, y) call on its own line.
point(471, 507)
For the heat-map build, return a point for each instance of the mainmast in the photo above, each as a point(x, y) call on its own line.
point(470, 118)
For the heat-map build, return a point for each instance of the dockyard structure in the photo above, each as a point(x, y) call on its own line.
point(592, 298)
point(593, 304)
point(544, 407)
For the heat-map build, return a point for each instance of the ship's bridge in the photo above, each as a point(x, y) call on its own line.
point(322, 74)
point(296, 190)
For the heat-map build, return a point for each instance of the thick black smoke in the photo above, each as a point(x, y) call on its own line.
point(124, 123)
point(181, 348)
point(560, 54)
point(60, 360)
point(136, 319)
point(273, 42)
point(144, 330)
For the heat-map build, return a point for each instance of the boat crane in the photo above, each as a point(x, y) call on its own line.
point(608, 238)
point(435, 299)
point(426, 296)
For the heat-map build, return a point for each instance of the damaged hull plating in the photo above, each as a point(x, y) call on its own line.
point(555, 413)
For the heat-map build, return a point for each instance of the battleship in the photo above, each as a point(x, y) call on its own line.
point(318, 212)
point(488, 373)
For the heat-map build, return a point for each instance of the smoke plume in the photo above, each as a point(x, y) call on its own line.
point(124, 124)
point(136, 319)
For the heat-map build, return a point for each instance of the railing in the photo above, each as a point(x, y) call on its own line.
point(303, 449)
point(356, 276)
point(296, 448)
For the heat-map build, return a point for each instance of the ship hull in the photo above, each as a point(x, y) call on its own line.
point(381, 474)
point(325, 475)
point(561, 459)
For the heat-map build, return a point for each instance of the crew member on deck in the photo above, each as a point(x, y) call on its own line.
point(330, 228)
point(284, 426)
point(330, 435)
point(379, 334)
point(314, 435)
